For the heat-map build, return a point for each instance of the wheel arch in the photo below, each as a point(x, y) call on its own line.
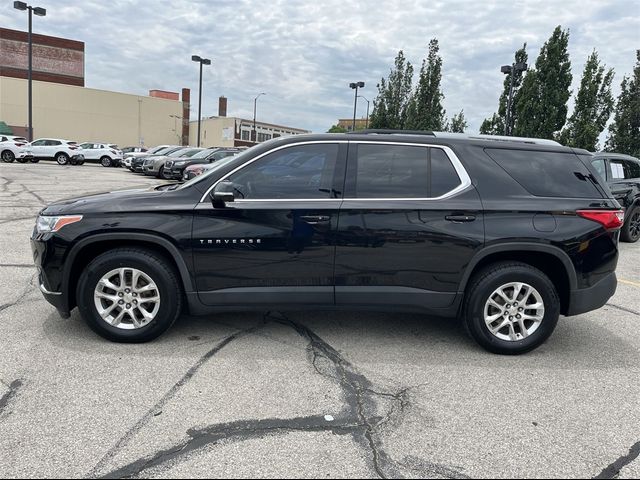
point(89, 248)
point(552, 261)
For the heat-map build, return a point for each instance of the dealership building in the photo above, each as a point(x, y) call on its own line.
point(64, 108)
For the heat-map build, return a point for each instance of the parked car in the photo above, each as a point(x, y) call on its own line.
point(134, 151)
point(62, 151)
point(507, 234)
point(622, 174)
point(108, 154)
point(137, 162)
point(201, 168)
point(173, 169)
point(15, 148)
point(155, 165)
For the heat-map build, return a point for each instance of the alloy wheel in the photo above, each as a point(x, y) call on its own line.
point(634, 225)
point(127, 298)
point(514, 311)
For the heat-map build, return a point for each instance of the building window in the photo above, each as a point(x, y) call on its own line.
point(263, 137)
point(245, 135)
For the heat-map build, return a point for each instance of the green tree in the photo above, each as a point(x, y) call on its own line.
point(541, 102)
point(425, 111)
point(624, 131)
point(593, 107)
point(495, 125)
point(337, 129)
point(394, 93)
point(458, 123)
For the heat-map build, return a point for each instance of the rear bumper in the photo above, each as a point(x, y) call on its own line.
point(592, 298)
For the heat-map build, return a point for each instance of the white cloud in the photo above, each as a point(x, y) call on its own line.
point(303, 54)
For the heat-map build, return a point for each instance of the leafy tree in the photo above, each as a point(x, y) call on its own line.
point(593, 107)
point(541, 103)
point(425, 110)
point(458, 123)
point(495, 125)
point(394, 93)
point(624, 131)
point(337, 129)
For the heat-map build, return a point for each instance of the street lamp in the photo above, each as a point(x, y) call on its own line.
point(255, 101)
point(511, 70)
point(41, 12)
point(201, 61)
point(355, 85)
point(367, 124)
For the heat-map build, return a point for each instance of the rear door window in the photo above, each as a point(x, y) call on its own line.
point(547, 174)
point(617, 169)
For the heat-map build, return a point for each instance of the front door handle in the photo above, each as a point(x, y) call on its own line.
point(315, 219)
point(460, 218)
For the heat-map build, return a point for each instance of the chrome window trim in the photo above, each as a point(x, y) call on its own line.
point(453, 158)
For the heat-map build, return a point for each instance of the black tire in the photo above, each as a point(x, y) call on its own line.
point(62, 158)
point(8, 156)
point(485, 283)
point(153, 265)
point(105, 161)
point(22, 160)
point(35, 160)
point(79, 162)
point(160, 173)
point(630, 231)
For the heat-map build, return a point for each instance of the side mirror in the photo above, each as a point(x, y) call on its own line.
point(222, 194)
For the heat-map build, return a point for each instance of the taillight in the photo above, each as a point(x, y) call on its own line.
point(20, 144)
point(71, 147)
point(113, 152)
point(609, 219)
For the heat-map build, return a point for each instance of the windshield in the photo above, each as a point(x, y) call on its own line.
point(204, 153)
point(214, 168)
point(185, 152)
point(159, 149)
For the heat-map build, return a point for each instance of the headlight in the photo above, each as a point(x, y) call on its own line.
point(48, 224)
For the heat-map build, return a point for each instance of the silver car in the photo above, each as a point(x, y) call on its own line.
point(155, 165)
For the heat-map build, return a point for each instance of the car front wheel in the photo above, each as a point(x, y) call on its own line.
point(129, 295)
point(511, 308)
point(8, 156)
point(631, 229)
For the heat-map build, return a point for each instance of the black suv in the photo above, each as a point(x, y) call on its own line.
point(506, 234)
point(622, 174)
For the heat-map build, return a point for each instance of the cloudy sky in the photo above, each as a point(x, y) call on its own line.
point(303, 54)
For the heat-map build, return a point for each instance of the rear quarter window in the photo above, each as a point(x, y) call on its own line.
point(547, 174)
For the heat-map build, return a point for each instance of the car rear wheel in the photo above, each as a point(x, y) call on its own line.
point(62, 158)
point(129, 295)
point(8, 156)
point(105, 161)
point(511, 308)
point(35, 160)
point(631, 229)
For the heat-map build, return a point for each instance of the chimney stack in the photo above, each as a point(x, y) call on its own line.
point(222, 107)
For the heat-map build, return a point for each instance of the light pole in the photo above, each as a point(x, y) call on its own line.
point(41, 12)
point(355, 85)
point(201, 61)
point(367, 124)
point(511, 70)
point(255, 101)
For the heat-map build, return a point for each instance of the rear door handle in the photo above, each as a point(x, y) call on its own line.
point(460, 218)
point(315, 219)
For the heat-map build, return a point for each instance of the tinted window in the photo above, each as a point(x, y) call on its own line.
point(600, 167)
point(38, 143)
point(392, 171)
point(547, 174)
point(444, 177)
point(633, 169)
point(304, 171)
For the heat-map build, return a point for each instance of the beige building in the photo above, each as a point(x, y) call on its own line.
point(223, 131)
point(86, 114)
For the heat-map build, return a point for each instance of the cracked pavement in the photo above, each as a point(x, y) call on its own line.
point(301, 394)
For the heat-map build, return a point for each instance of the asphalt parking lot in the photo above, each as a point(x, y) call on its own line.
point(301, 394)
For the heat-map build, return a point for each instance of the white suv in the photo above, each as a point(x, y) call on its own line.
point(15, 148)
point(62, 151)
point(108, 154)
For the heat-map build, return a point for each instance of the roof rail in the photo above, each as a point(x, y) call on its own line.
point(389, 131)
point(498, 138)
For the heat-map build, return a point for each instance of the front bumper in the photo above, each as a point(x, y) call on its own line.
point(592, 298)
point(49, 278)
point(150, 169)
